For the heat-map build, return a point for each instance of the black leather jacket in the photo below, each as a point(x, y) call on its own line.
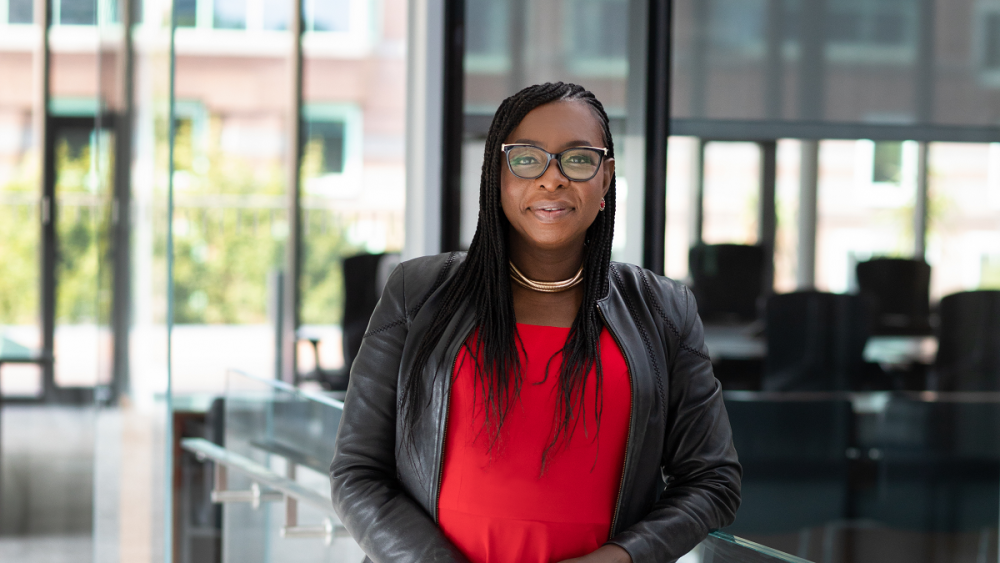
point(678, 429)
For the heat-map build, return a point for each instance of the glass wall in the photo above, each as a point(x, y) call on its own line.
point(20, 202)
point(353, 177)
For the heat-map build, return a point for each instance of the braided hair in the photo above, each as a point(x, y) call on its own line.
point(483, 282)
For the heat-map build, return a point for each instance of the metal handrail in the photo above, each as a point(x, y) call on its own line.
point(287, 489)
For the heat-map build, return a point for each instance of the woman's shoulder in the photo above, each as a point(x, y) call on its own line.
point(433, 263)
point(671, 299)
point(418, 277)
point(644, 280)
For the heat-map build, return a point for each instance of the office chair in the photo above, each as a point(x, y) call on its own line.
point(365, 276)
point(727, 281)
point(815, 341)
point(900, 292)
point(968, 356)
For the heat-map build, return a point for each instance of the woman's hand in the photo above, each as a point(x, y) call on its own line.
point(605, 554)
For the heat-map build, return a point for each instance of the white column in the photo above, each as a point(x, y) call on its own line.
point(424, 108)
point(805, 274)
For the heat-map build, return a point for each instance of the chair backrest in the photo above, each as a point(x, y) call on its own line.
point(968, 357)
point(815, 341)
point(900, 293)
point(727, 280)
point(364, 278)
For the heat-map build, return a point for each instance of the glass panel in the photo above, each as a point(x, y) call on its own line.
point(732, 193)
point(855, 61)
point(839, 477)
point(353, 165)
point(963, 244)
point(230, 222)
point(291, 433)
point(20, 221)
point(860, 217)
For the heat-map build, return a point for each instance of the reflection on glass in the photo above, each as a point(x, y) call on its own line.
point(291, 433)
point(838, 477)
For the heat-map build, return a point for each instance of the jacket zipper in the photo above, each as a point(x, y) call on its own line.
point(628, 437)
point(444, 436)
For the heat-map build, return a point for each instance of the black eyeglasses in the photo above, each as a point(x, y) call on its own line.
point(529, 162)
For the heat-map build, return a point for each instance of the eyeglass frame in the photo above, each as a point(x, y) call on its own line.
point(602, 151)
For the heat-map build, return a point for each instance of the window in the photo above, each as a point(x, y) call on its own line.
point(20, 11)
point(989, 272)
point(186, 13)
point(487, 28)
point(991, 42)
point(229, 14)
point(328, 138)
point(878, 23)
point(74, 12)
point(887, 166)
point(331, 150)
point(327, 15)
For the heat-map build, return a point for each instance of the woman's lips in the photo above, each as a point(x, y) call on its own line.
point(549, 212)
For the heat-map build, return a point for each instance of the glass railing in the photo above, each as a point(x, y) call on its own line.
point(269, 456)
point(841, 477)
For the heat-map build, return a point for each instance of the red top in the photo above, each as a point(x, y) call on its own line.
point(496, 506)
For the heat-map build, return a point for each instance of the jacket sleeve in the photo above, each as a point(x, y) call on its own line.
point(699, 461)
point(386, 522)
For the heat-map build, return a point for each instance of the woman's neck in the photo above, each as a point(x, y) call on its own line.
point(544, 264)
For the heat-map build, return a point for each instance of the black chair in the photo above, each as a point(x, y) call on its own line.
point(968, 357)
point(365, 276)
point(815, 341)
point(899, 289)
point(727, 280)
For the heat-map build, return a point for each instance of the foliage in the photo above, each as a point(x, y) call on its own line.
point(223, 255)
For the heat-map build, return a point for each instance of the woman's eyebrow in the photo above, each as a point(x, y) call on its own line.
point(576, 143)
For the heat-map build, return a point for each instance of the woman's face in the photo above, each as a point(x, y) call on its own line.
point(552, 212)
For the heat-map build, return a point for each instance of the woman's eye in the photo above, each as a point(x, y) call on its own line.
point(524, 160)
point(579, 159)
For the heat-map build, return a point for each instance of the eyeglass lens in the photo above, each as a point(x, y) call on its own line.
point(531, 162)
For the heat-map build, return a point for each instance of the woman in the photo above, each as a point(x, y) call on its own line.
point(492, 416)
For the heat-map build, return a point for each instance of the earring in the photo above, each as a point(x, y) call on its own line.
point(602, 204)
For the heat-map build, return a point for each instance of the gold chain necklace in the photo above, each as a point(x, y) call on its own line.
point(545, 287)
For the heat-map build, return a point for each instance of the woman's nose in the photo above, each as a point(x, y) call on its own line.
point(553, 178)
